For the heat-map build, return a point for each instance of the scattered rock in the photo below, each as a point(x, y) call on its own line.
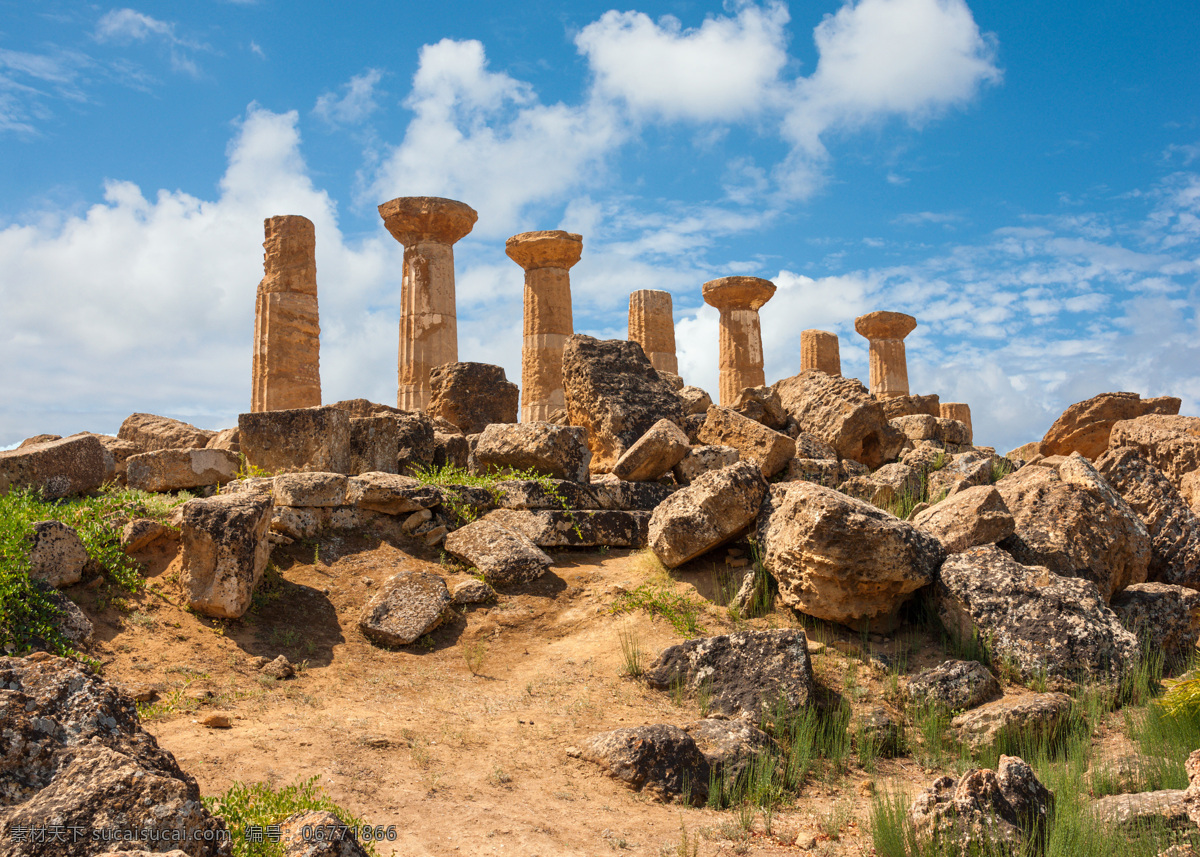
point(1142, 809)
point(661, 761)
point(217, 720)
point(473, 592)
point(842, 413)
point(613, 493)
point(917, 427)
point(298, 439)
point(1170, 443)
point(280, 668)
point(1165, 618)
point(374, 444)
point(818, 470)
point(549, 528)
point(58, 468)
point(390, 493)
point(713, 509)
point(318, 833)
point(559, 452)
point(762, 405)
point(974, 516)
point(58, 555)
point(72, 622)
point(140, 533)
point(769, 449)
point(225, 551)
point(903, 406)
point(178, 469)
point(745, 675)
point(729, 746)
point(954, 686)
point(548, 494)
point(695, 400)
point(409, 605)
point(310, 489)
point(842, 559)
point(1085, 426)
point(150, 432)
point(654, 453)
point(1032, 716)
point(502, 554)
point(472, 396)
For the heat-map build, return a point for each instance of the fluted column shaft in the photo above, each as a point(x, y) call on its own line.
point(819, 350)
point(889, 366)
point(741, 354)
point(652, 326)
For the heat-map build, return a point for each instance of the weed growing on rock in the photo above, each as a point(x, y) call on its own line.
point(657, 600)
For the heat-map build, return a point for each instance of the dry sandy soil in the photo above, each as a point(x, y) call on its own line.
point(465, 763)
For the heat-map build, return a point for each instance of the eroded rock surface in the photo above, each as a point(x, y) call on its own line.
point(954, 685)
point(842, 413)
point(225, 551)
point(559, 452)
point(1085, 426)
point(713, 509)
point(974, 516)
point(504, 555)
point(472, 396)
point(661, 761)
point(409, 605)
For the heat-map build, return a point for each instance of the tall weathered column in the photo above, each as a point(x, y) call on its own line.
point(427, 226)
point(889, 367)
point(652, 326)
point(547, 258)
point(819, 350)
point(287, 346)
point(741, 356)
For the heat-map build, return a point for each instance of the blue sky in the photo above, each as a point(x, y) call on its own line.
point(1022, 177)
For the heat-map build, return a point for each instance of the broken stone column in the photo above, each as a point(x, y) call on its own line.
point(739, 299)
point(889, 367)
point(287, 348)
point(547, 258)
point(819, 350)
point(428, 227)
point(960, 411)
point(652, 326)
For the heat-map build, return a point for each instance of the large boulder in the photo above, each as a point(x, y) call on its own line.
point(1044, 625)
point(842, 413)
point(1004, 811)
point(1070, 520)
point(545, 494)
point(310, 489)
point(1174, 528)
point(178, 469)
point(767, 448)
point(409, 605)
point(57, 468)
point(549, 528)
point(954, 686)
point(151, 432)
point(225, 551)
point(903, 406)
point(744, 675)
point(374, 444)
point(716, 507)
point(1170, 443)
point(1030, 717)
point(701, 459)
point(974, 516)
point(842, 559)
point(76, 756)
point(502, 554)
point(1165, 618)
point(619, 495)
point(472, 396)
point(729, 746)
point(612, 391)
point(559, 452)
point(298, 439)
point(661, 761)
point(57, 555)
point(1085, 426)
point(320, 833)
point(655, 452)
point(390, 493)
point(762, 405)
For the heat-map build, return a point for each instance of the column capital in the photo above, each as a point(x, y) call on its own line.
point(414, 219)
point(548, 248)
point(882, 324)
point(738, 292)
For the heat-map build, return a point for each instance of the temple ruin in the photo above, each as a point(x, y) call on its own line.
point(652, 326)
point(819, 350)
point(741, 355)
point(889, 367)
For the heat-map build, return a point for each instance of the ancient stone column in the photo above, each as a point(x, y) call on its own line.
point(547, 258)
point(741, 356)
point(889, 367)
point(427, 226)
point(960, 411)
point(819, 350)
point(652, 326)
point(287, 347)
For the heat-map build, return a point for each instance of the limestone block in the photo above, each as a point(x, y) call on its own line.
point(151, 432)
point(58, 468)
point(619, 495)
point(974, 516)
point(819, 350)
point(959, 411)
point(917, 426)
point(770, 450)
point(409, 605)
point(390, 493)
point(652, 326)
point(504, 555)
point(302, 439)
point(225, 550)
point(716, 507)
point(559, 452)
point(1085, 426)
point(549, 528)
point(551, 494)
point(695, 400)
point(472, 396)
point(58, 555)
point(822, 471)
point(1166, 618)
point(702, 459)
point(374, 444)
point(906, 406)
point(654, 453)
point(762, 405)
point(840, 412)
point(310, 489)
point(177, 469)
point(1170, 443)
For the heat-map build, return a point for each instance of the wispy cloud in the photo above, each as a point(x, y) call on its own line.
point(125, 26)
point(355, 104)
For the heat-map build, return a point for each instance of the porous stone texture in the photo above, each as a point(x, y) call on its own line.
point(652, 326)
point(548, 528)
point(1174, 528)
point(701, 459)
point(1166, 807)
point(299, 523)
point(889, 367)
point(301, 439)
point(150, 432)
point(661, 761)
point(738, 299)
point(502, 554)
point(224, 439)
point(762, 405)
point(415, 442)
point(905, 406)
point(954, 686)
point(841, 559)
point(551, 494)
point(819, 470)
point(57, 555)
point(77, 756)
point(141, 533)
point(1070, 520)
point(1031, 716)
point(959, 412)
point(390, 493)
point(729, 746)
point(559, 452)
point(225, 551)
point(1085, 426)
point(547, 258)
point(451, 450)
point(374, 444)
point(769, 449)
point(613, 493)
point(119, 450)
point(614, 393)
point(177, 469)
point(1043, 624)
point(695, 400)
point(746, 674)
point(310, 489)
point(318, 833)
point(428, 227)
point(973, 516)
point(58, 468)
point(287, 331)
point(716, 507)
point(472, 396)
point(811, 446)
point(71, 622)
point(887, 485)
point(1165, 618)
point(840, 412)
point(999, 811)
point(916, 427)
point(1170, 443)
point(654, 453)
point(409, 605)
point(819, 350)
